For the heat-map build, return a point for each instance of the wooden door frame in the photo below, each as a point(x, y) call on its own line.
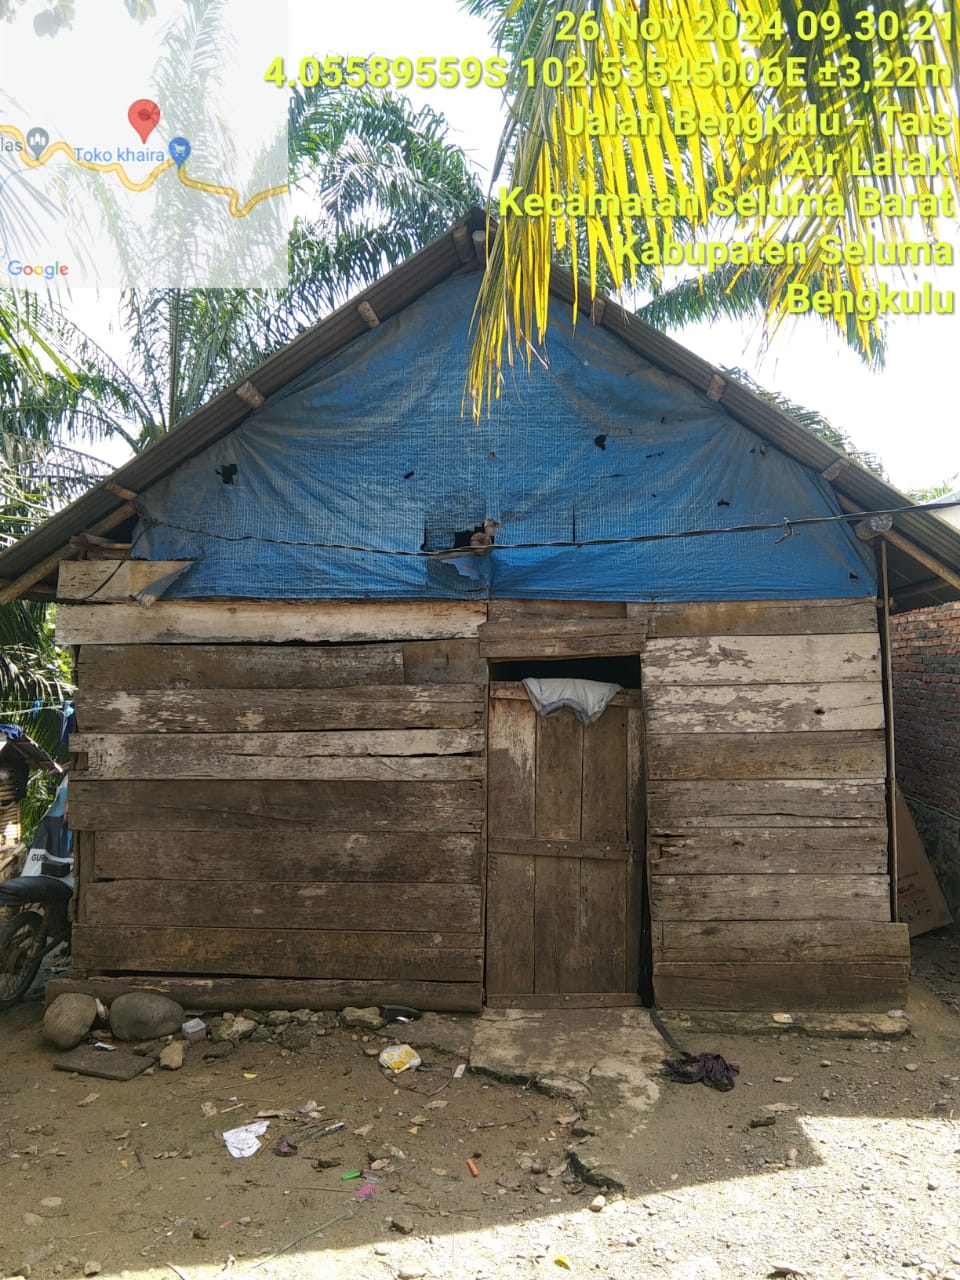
point(637, 898)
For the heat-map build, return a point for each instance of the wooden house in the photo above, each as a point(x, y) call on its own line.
point(308, 772)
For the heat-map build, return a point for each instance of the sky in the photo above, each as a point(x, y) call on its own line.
point(906, 415)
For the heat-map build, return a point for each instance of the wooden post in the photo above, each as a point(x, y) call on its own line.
point(891, 746)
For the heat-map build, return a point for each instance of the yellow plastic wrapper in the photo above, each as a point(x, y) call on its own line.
point(399, 1057)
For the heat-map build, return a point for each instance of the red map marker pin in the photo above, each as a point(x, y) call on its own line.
point(144, 115)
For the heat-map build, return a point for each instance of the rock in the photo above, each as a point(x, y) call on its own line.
point(368, 1018)
point(762, 1122)
point(32, 1220)
point(93, 1268)
point(240, 1028)
point(171, 1059)
point(826, 1095)
point(262, 1033)
point(51, 1202)
point(222, 1049)
point(598, 1204)
point(149, 1048)
point(413, 1272)
point(381, 1250)
point(295, 1036)
point(911, 1066)
point(144, 1015)
point(68, 1020)
point(404, 1225)
point(278, 1017)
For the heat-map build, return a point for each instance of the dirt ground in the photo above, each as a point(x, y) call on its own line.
point(857, 1176)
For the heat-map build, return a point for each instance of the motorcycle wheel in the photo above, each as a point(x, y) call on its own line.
point(20, 955)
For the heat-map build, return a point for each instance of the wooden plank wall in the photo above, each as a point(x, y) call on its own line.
point(766, 808)
point(303, 822)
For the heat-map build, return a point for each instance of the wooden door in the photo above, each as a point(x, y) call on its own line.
point(564, 844)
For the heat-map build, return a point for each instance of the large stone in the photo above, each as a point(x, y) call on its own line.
point(369, 1018)
point(68, 1020)
point(144, 1015)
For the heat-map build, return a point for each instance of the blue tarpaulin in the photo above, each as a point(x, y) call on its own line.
point(369, 450)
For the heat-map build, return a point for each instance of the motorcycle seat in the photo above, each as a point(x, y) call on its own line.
point(34, 889)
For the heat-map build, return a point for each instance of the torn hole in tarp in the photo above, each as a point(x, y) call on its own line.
point(587, 699)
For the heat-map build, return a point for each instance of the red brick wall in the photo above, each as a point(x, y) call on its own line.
point(925, 649)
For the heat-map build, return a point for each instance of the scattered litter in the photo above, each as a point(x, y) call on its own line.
point(209, 1109)
point(473, 1168)
point(561, 1261)
point(250, 1075)
point(363, 1130)
point(710, 1068)
point(245, 1141)
point(110, 1048)
point(399, 1013)
point(437, 1105)
point(354, 1173)
point(779, 1108)
point(85, 1102)
point(458, 1073)
point(783, 1079)
point(783, 1018)
point(194, 1029)
point(399, 1057)
point(762, 1122)
point(362, 1193)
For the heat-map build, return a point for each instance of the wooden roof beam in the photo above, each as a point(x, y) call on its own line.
point(20, 586)
point(936, 567)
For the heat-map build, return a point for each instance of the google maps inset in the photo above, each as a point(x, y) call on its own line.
point(183, 186)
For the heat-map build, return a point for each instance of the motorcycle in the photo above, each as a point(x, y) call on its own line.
point(35, 905)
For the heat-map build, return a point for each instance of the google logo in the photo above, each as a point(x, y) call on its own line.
point(50, 271)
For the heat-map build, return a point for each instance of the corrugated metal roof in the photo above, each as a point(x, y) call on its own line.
point(396, 290)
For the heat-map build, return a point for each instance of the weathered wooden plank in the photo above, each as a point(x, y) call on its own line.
point(235, 666)
point(509, 610)
point(756, 617)
point(848, 986)
point(252, 710)
point(806, 941)
point(513, 691)
point(568, 1000)
point(763, 802)
point(340, 857)
point(268, 622)
point(351, 768)
point(113, 580)
point(380, 755)
point(800, 659)
point(772, 851)
point(855, 753)
point(281, 808)
point(283, 993)
point(769, 897)
point(558, 937)
point(603, 884)
point(280, 953)
point(285, 905)
point(773, 708)
point(560, 637)
point(511, 788)
point(444, 662)
point(604, 850)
